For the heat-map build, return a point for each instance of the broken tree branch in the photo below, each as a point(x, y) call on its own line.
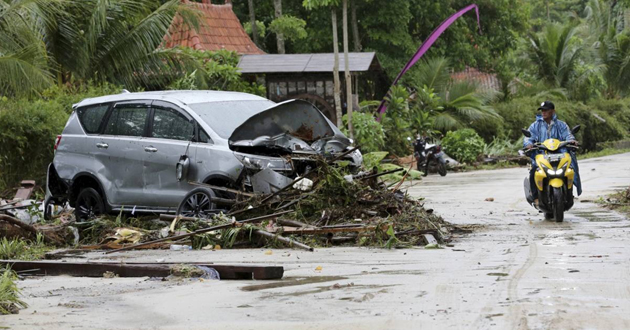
point(200, 231)
point(27, 227)
point(287, 241)
point(403, 178)
point(381, 174)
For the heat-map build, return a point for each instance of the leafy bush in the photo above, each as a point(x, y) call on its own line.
point(217, 70)
point(368, 133)
point(597, 123)
point(502, 147)
point(28, 129)
point(396, 122)
point(464, 145)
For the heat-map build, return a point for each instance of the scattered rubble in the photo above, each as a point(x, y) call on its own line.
point(331, 204)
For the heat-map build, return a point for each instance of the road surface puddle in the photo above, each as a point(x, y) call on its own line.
point(598, 216)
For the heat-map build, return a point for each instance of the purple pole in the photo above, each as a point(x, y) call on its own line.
point(428, 43)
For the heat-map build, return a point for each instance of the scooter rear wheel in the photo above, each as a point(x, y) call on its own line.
point(558, 204)
point(441, 169)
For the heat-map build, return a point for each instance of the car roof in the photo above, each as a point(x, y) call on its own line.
point(185, 97)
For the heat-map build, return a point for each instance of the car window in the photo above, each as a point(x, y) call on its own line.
point(224, 116)
point(91, 117)
point(170, 124)
point(127, 120)
point(204, 137)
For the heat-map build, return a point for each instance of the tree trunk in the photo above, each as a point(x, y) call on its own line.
point(252, 21)
point(336, 70)
point(355, 27)
point(347, 69)
point(548, 17)
point(277, 5)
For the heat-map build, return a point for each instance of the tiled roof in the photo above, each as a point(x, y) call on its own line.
point(219, 29)
point(485, 80)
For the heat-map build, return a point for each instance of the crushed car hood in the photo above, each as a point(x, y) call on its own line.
point(294, 126)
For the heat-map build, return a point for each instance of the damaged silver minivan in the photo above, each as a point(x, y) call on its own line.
point(148, 152)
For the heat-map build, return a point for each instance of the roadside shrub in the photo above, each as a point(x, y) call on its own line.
point(28, 129)
point(465, 145)
point(368, 133)
point(597, 125)
point(619, 109)
point(217, 70)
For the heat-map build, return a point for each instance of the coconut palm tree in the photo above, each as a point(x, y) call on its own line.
point(24, 61)
point(555, 53)
point(453, 104)
point(99, 40)
point(610, 44)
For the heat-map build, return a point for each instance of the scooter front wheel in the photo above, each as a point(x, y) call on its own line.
point(558, 204)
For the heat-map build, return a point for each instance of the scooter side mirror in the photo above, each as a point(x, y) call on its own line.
point(575, 129)
point(526, 132)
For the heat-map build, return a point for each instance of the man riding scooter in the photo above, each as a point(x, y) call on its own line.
point(548, 126)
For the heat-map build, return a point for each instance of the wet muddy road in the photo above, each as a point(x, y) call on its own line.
point(515, 271)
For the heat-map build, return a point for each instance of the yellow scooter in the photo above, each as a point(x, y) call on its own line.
point(553, 178)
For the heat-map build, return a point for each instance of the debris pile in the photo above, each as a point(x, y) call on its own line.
point(336, 207)
point(328, 205)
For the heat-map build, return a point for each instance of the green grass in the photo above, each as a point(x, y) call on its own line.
point(16, 249)
point(9, 293)
point(602, 153)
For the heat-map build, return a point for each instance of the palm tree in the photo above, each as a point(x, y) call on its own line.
point(555, 53)
point(24, 61)
point(611, 46)
point(100, 40)
point(452, 104)
point(462, 104)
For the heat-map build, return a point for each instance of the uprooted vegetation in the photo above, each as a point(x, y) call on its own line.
point(619, 201)
point(341, 208)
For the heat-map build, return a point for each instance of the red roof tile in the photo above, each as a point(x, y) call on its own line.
point(219, 29)
point(485, 80)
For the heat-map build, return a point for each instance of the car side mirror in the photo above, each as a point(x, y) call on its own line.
point(526, 132)
point(575, 129)
point(181, 169)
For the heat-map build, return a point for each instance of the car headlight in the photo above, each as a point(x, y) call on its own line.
point(258, 163)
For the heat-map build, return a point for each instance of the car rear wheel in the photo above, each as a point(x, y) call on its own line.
point(89, 204)
point(198, 204)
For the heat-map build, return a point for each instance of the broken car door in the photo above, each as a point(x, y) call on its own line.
point(119, 152)
point(170, 134)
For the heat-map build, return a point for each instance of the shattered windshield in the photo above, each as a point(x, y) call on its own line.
point(224, 117)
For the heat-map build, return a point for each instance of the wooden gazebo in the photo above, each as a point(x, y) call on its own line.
point(309, 77)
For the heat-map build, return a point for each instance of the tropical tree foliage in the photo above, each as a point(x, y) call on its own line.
point(76, 41)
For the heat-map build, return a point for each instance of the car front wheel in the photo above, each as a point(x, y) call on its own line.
point(198, 204)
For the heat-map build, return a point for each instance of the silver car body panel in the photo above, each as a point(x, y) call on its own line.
point(138, 173)
point(135, 179)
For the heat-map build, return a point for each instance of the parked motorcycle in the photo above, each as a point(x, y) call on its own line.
point(553, 178)
point(427, 155)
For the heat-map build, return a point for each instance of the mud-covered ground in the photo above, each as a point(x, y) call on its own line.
point(515, 271)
